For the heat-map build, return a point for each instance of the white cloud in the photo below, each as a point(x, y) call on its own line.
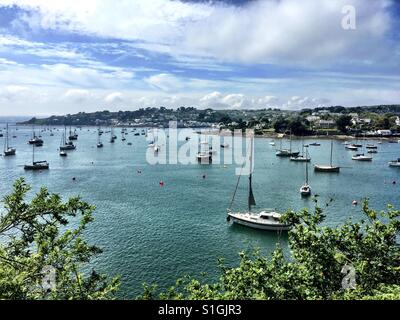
point(289, 31)
point(77, 95)
point(6, 61)
point(296, 103)
point(164, 82)
point(114, 97)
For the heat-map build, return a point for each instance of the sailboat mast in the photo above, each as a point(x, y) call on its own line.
point(306, 167)
point(251, 201)
point(6, 146)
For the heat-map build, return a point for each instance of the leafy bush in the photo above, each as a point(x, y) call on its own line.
point(315, 267)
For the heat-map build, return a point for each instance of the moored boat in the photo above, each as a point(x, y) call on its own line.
point(395, 163)
point(267, 220)
point(361, 157)
point(328, 168)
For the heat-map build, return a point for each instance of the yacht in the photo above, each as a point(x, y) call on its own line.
point(361, 157)
point(287, 153)
point(351, 147)
point(8, 151)
point(395, 163)
point(327, 168)
point(267, 220)
point(36, 165)
point(305, 189)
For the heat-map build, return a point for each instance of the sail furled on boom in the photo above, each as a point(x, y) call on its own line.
point(252, 200)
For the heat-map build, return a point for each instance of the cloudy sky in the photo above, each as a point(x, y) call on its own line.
point(60, 57)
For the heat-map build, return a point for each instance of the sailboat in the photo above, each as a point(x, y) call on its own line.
point(395, 163)
point(361, 157)
point(268, 220)
point(327, 168)
point(287, 152)
point(305, 189)
point(36, 165)
point(113, 136)
point(8, 151)
point(64, 145)
point(99, 143)
point(72, 135)
point(351, 147)
point(302, 157)
point(35, 140)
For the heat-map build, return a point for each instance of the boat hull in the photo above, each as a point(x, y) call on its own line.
point(326, 169)
point(258, 226)
point(36, 167)
point(9, 152)
point(285, 154)
point(394, 164)
point(365, 159)
point(300, 159)
point(68, 147)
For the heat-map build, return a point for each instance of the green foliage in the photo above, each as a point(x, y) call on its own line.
point(32, 240)
point(343, 122)
point(314, 268)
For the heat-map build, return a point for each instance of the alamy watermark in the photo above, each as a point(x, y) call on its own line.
point(49, 279)
point(349, 20)
point(182, 146)
point(349, 280)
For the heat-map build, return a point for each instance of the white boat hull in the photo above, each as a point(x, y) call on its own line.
point(242, 220)
point(394, 164)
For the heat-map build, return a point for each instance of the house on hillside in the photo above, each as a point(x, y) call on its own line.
point(326, 124)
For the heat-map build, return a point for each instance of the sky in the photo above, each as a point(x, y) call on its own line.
point(59, 57)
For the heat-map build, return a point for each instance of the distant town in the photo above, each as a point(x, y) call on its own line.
point(381, 120)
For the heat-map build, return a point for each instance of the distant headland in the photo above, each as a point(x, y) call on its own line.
point(381, 120)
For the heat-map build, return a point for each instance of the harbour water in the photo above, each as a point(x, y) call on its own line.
point(156, 234)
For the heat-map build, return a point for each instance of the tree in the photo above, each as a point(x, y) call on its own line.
point(343, 122)
point(281, 124)
point(34, 243)
point(298, 126)
point(316, 268)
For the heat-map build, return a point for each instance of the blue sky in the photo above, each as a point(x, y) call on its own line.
point(60, 57)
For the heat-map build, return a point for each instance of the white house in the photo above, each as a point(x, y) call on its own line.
point(313, 118)
point(326, 124)
point(384, 132)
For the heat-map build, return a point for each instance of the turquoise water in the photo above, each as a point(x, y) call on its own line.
point(156, 234)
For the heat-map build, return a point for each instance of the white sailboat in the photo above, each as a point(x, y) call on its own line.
point(287, 152)
point(8, 151)
point(64, 146)
point(327, 168)
point(395, 163)
point(303, 157)
point(361, 157)
point(268, 220)
point(305, 189)
point(99, 143)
